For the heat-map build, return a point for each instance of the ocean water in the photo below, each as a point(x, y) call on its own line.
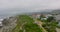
point(4, 14)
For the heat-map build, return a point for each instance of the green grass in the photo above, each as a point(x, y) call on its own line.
point(27, 23)
point(32, 28)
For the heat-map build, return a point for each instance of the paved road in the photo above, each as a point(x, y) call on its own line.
point(58, 30)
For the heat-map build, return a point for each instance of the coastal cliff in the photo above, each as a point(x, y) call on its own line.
point(8, 24)
point(26, 23)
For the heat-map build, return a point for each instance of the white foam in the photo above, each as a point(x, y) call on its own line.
point(1, 23)
point(1, 20)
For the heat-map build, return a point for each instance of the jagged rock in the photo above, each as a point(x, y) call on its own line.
point(8, 24)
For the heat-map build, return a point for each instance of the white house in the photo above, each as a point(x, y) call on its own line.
point(46, 16)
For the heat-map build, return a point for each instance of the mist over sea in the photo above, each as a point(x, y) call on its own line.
point(4, 14)
point(7, 13)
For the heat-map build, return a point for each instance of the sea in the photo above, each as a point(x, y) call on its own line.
point(4, 14)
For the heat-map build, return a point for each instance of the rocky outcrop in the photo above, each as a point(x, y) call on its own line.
point(8, 24)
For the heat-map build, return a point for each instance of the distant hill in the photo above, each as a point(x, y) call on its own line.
point(44, 12)
point(56, 11)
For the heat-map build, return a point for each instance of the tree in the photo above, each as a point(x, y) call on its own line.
point(50, 18)
point(51, 24)
point(42, 16)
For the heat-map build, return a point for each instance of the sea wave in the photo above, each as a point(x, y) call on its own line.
point(1, 20)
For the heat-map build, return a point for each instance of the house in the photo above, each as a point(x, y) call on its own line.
point(46, 16)
point(43, 18)
point(36, 15)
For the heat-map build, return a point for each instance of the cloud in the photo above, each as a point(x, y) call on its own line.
point(32, 5)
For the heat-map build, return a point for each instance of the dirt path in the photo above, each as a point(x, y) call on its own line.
point(40, 24)
point(0, 29)
point(58, 30)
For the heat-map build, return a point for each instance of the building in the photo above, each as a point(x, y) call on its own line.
point(36, 15)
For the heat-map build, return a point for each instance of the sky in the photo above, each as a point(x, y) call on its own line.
point(21, 6)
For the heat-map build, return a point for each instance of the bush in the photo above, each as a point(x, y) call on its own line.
point(32, 28)
point(21, 21)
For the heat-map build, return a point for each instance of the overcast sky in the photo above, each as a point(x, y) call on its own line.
point(14, 6)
